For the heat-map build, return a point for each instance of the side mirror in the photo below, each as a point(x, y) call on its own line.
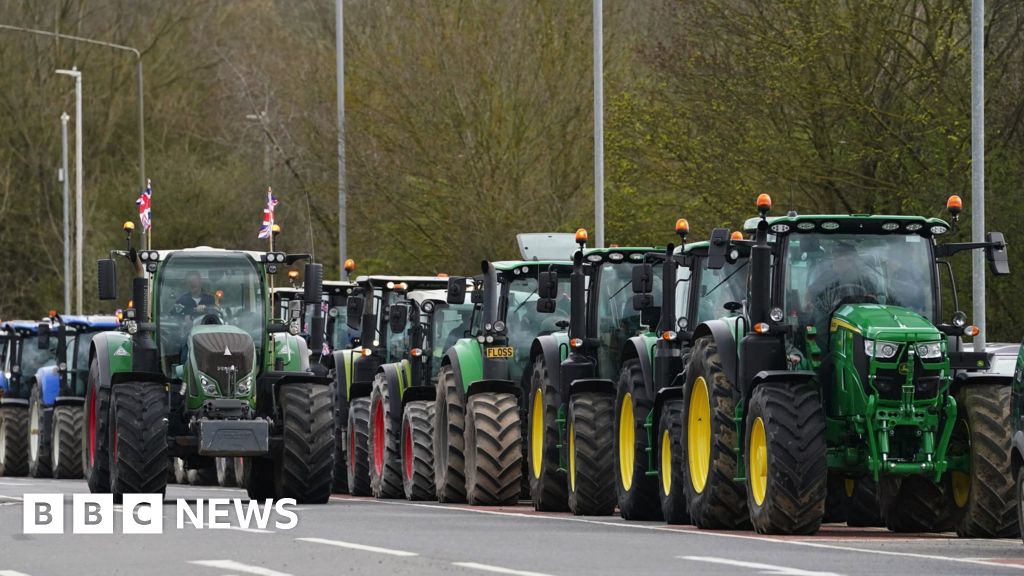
point(546, 305)
point(107, 275)
point(547, 284)
point(456, 291)
point(643, 279)
point(718, 249)
point(643, 302)
point(998, 259)
point(354, 312)
point(398, 317)
point(313, 284)
point(44, 335)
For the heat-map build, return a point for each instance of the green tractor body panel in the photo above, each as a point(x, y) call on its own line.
point(195, 378)
point(348, 357)
point(881, 322)
point(119, 350)
point(469, 354)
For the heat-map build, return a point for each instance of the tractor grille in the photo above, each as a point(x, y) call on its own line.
point(225, 356)
point(889, 381)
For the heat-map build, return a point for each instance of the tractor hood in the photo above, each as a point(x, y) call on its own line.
point(224, 353)
point(881, 322)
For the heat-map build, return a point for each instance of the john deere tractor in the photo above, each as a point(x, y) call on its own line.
point(200, 371)
point(648, 402)
point(402, 400)
point(368, 310)
point(572, 381)
point(841, 363)
point(56, 404)
point(22, 360)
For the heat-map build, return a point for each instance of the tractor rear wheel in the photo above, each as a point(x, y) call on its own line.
point(418, 451)
point(358, 446)
point(225, 472)
point(671, 481)
point(548, 489)
point(306, 466)
point(494, 454)
point(449, 439)
point(385, 440)
point(66, 442)
point(915, 504)
point(787, 469)
point(39, 426)
point(13, 441)
point(715, 499)
point(862, 507)
point(138, 439)
point(637, 492)
point(591, 460)
point(95, 432)
point(984, 500)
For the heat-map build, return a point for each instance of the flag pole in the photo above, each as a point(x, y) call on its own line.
point(149, 232)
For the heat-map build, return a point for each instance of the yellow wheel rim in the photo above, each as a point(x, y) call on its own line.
point(626, 441)
point(961, 488)
point(572, 457)
point(849, 485)
point(698, 435)
point(666, 463)
point(537, 432)
point(758, 461)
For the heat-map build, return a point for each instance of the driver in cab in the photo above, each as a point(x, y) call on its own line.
point(848, 282)
point(194, 302)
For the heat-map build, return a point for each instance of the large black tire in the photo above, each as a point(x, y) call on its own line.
point(862, 506)
point(385, 440)
point(205, 475)
point(39, 425)
point(239, 466)
point(66, 441)
point(95, 432)
point(591, 461)
point(1020, 498)
point(787, 468)
point(835, 499)
point(138, 439)
point(548, 485)
point(715, 499)
point(637, 492)
point(13, 440)
point(494, 451)
point(305, 469)
point(358, 470)
point(259, 478)
point(340, 392)
point(984, 500)
point(915, 504)
point(225, 472)
point(418, 451)
point(671, 482)
point(180, 473)
point(449, 439)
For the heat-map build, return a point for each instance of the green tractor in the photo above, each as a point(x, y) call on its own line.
point(840, 365)
point(572, 381)
point(402, 399)
point(199, 370)
point(483, 380)
point(369, 310)
point(648, 401)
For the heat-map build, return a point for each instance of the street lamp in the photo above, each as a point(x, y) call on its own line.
point(67, 209)
point(79, 224)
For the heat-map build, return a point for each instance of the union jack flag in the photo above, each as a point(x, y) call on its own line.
point(145, 203)
point(267, 228)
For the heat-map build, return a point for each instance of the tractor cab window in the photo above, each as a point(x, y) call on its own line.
point(523, 321)
point(397, 342)
point(341, 335)
point(211, 288)
point(449, 324)
point(78, 358)
point(32, 358)
point(617, 321)
point(720, 287)
point(825, 271)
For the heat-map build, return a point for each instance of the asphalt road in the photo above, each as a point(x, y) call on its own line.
point(358, 535)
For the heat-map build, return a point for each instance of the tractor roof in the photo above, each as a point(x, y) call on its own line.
point(509, 265)
point(21, 326)
point(618, 254)
point(412, 282)
point(431, 295)
point(853, 224)
point(91, 321)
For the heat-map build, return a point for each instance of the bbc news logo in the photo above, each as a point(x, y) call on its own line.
point(144, 514)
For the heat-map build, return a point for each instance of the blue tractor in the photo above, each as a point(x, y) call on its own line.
point(22, 358)
point(57, 397)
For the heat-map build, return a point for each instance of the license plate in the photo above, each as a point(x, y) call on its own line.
point(500, 352)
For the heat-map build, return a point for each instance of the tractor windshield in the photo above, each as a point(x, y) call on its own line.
point(617, 320)
point(824, 271)
point(215, 288)
point(719, 287)
point(523, 321)
point(32, 358)
point(450, 323)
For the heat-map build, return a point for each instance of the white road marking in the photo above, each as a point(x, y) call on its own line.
point(14, 498)
point(354, 546)
point(238, 567)
point(707, 533)
point(762, 568)
point(240, 529)
point(12, 573)
point(496, 569)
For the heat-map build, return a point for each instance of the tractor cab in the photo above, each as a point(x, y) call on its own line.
point(22, 360)
point(434, 326)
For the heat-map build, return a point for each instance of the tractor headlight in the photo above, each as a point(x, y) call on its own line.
point(929, 350)
point(209, 386)
point(244, 387)
point(776, 314)
point(881, 350)
point(499, 326)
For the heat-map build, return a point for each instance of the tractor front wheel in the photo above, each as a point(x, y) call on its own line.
point(138, 439)
point(385, 441)
point(13, 441)
point(305, 471)
point(787, 469)
point(225, 472)
point(915, 504)
point(259, 478)
point(494, 454)
point(418, 451)
point(547, 480)
point(449, 439)
point(670, 463)
point(862, 506)
point(358, 447)
point(66, 442)
point(591, 461)
point(95, 432)
point(205, 475)
point(38, 436)
point(637, 492)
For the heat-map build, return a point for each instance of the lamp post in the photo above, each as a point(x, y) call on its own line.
point(67, 208)
point(79, 224)
point(339, 49)
point(598, 123)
